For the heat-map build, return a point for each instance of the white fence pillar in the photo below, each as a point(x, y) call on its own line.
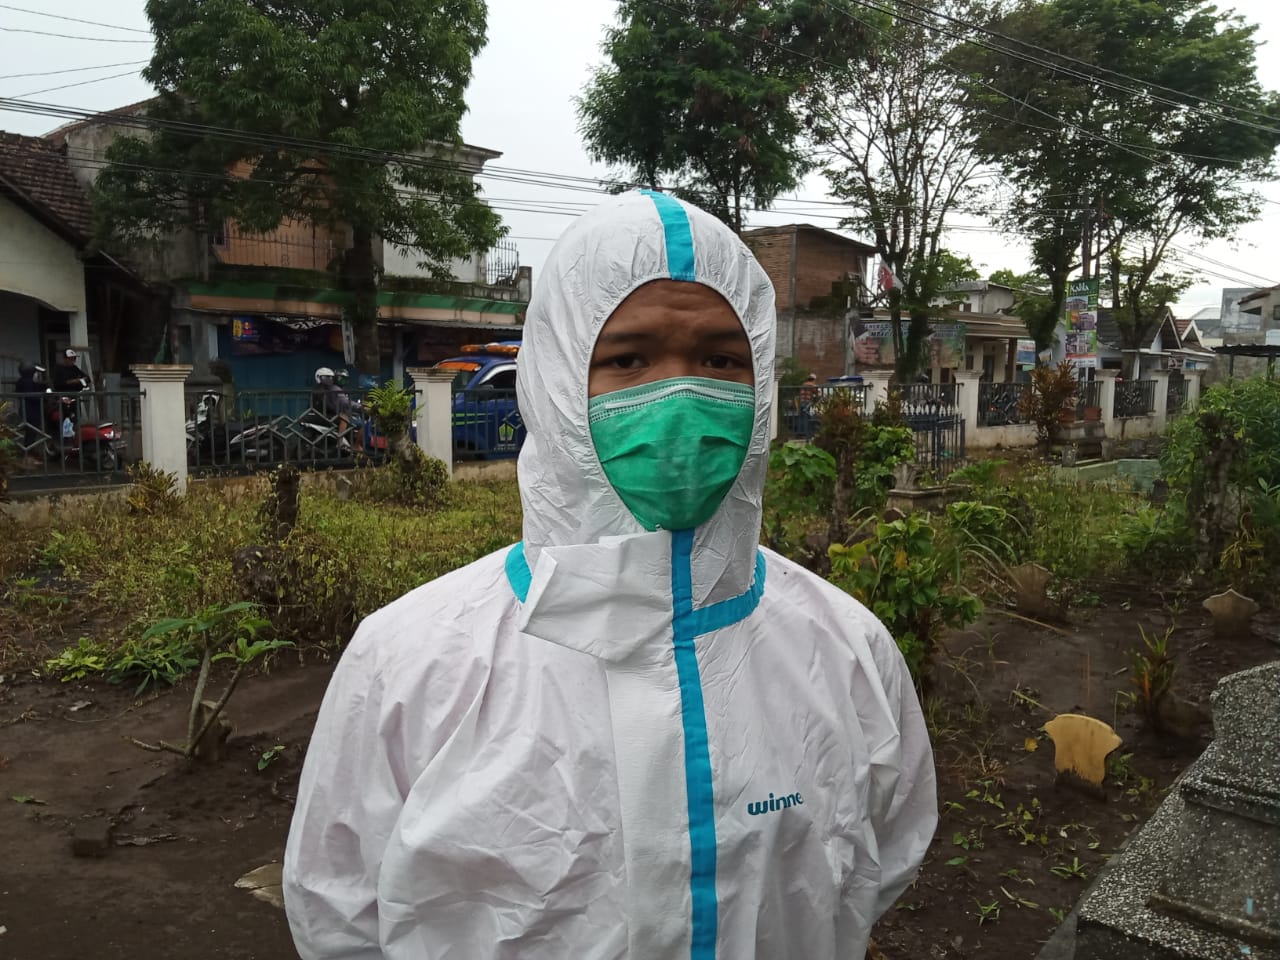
point(1161, 412)
point(1107, 396)
point(433, 390)
point(1192, 380)
point(877, 382)
point(967, 382)
point(774, 411)
point(164, 417)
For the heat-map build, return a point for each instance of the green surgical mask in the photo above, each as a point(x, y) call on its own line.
point(672, 449)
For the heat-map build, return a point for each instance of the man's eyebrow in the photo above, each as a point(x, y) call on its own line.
point(623, 336)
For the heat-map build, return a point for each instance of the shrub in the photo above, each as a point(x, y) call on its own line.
point(908, 580)
point(1052, 394)
point(152, 491)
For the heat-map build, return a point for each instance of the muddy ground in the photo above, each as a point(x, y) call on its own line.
point(164, 886)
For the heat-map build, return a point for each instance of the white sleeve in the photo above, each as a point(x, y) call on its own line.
point(902, 798)
point(904, 790)
point(349, 799)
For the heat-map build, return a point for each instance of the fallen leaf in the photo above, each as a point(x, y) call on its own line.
point(144, 841)
point(1031, 745)
point(19, 798)
point(79, 705)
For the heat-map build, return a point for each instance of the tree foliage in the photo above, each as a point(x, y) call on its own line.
point(374, 90)
point(700, 95)
point(1132, 165)
point(894, 148)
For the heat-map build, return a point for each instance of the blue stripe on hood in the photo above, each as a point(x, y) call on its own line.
point(679, 236)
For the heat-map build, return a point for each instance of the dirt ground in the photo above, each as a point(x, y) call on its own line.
point(182, 836)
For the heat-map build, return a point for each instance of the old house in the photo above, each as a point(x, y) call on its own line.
point(267, 309)
point(55, 290)
point(818, 276)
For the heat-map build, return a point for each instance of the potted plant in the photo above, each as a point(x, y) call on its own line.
point(1051, 401)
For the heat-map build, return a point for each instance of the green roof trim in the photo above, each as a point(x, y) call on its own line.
point(251, 290)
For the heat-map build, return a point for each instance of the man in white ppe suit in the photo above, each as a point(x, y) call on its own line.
point(636, 734)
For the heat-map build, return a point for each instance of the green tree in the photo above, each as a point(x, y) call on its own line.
point(701, 95)
point(341, 114)
point(892, 146)
point(1108, 171)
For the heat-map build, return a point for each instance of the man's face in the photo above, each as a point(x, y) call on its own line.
point(670, 328)
point(68, 361)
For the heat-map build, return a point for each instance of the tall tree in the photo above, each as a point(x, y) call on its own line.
point(700, 95)
point(378, 88)
point(1109, 171)
point(893, 147)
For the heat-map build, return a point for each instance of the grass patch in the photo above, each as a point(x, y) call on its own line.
point(121, 572)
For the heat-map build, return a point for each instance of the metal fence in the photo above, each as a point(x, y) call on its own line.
point(1135, 398)
point(487, 424)
point(1089, 397)
point(800, 408)
point(258, 429)
point(73, 438)
point(940, 442)
point(926, 398)
point(1000, 404)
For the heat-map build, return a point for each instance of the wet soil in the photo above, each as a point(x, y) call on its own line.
point(181, 835)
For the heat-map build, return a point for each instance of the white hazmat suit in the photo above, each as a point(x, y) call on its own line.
point(604, 742)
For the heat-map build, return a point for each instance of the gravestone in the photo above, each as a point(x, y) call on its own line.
point(1030, 583)
point(1232, 613)
point(1201, 881)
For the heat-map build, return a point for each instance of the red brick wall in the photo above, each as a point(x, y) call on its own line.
point(821, 262)
point(774, 253)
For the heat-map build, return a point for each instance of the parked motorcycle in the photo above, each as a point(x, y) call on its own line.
point(97, 446)
point(324, 436)
point(232, 441)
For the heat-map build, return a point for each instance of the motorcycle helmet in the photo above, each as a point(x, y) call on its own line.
point(325, 375)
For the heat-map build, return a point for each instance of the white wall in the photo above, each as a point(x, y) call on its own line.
point(37, 263)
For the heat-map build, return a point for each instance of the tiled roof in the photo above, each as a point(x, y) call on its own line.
point(1183, 327)
point(37, 172)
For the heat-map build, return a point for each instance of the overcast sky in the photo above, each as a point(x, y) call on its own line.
point(521, 103)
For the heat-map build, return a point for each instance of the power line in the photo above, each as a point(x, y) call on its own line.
point(54, 73)
point(82, 83)
point(56, 16)
point(69, 36)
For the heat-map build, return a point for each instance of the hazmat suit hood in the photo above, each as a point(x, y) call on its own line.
point(624, 243)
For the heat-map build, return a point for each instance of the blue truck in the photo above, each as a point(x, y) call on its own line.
point(486, 422)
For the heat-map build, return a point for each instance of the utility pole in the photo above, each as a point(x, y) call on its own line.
point(1086, 242)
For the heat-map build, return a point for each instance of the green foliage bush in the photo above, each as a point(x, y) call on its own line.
point(908, 579)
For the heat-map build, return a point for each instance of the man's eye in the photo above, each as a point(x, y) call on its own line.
point(722, 361)
point(626, 361)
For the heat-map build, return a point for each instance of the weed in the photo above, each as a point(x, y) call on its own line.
point(988, 912)
point(153, 491)
point(1059, 915)
point(1069, 871)
point(268, 755)
point(78, 662)
point(1153, 672)
point(1019, 901)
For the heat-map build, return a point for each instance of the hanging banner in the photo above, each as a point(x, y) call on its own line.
point(871, 345)
point(348, 343)
point(1080, 317)
point(1026, 353)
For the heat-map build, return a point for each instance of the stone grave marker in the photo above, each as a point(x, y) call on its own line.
point(1201, 881)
